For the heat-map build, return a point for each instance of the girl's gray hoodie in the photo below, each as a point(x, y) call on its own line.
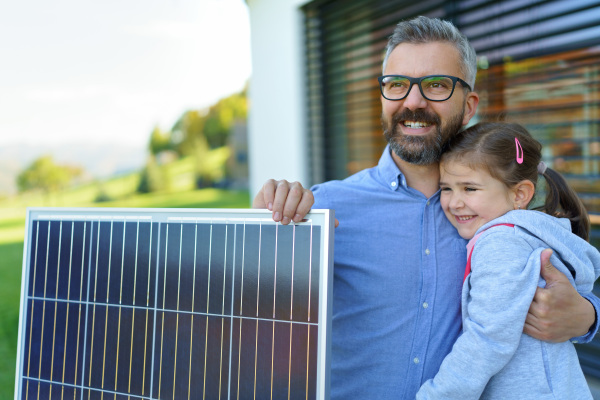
point(493, 358)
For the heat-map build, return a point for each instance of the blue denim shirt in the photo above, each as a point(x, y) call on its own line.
point(398, 272)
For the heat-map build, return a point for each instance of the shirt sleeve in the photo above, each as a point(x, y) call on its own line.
point(503, 280)
point(321, 195)
point(592, 298)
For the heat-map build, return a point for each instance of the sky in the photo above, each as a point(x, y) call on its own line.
point(109, 71)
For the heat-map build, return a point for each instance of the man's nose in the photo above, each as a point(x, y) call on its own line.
point(415, 99)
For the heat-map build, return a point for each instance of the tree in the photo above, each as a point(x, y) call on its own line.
point(221, 117)
point(159, 141)
point(45, 175)
point(195, 127)
point(201, 135)
point(152, 177)
point(188, 133)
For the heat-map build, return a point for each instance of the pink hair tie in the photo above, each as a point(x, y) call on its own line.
point(518, 145)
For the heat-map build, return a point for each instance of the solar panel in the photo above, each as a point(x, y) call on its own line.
point(174, 304)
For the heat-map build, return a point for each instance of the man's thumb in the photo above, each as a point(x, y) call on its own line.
point(547, 270)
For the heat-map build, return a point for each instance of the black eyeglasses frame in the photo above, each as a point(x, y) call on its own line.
point(418, 81)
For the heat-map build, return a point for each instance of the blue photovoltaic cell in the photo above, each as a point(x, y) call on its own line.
point(150, 307)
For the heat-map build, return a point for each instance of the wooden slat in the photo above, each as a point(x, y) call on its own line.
point(595, 219)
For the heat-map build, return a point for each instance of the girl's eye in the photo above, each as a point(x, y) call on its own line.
point(468, 189)
point(445, 189)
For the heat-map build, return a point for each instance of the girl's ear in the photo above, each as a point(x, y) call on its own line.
point(523, 193)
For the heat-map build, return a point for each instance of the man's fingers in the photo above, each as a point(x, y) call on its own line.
point(539, 306)
point(269, 193)
point(536, 323)
point(288, 201)
point(295, 205)
point(533, 331)
point(266, 194)
point(297, 211)
point(530, 329)
point(280, 198)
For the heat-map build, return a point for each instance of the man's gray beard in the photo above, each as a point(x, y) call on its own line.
point(418, 150)
point(421, 150)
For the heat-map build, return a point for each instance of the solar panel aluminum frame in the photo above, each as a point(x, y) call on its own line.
point(161, 218)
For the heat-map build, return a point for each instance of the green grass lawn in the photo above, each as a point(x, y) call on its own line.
point(10, 288)
point(12, 222)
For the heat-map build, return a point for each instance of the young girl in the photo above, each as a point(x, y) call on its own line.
point(488, 177)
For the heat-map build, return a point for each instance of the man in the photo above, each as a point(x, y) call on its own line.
point(399, 263)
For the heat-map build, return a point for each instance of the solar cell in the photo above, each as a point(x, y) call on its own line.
point(174, 304)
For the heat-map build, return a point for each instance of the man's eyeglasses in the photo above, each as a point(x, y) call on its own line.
point(432, 87)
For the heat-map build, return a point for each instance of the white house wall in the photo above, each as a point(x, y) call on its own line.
point(276, 122)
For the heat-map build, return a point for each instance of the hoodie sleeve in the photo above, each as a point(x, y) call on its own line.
point(504, 277)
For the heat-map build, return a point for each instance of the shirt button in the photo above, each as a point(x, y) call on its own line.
point(425, 305)
point(393, 184)
point(427, 251)
point(416, 360)
point(427, 203)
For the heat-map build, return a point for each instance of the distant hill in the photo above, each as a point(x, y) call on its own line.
point(99, 161)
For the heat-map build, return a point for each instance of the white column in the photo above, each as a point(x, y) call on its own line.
point(277, 117)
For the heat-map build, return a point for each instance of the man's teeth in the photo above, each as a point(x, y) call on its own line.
point(415, 124)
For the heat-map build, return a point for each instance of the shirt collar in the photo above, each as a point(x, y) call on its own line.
point(389, 172)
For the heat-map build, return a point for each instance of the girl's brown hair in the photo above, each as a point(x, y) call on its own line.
point(492, 146)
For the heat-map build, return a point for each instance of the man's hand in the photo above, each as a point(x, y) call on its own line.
point(557, 313)
point(288, 201)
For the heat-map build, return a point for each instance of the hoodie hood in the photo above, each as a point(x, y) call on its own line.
point(578, 256)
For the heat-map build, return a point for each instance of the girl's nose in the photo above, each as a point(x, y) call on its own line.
point(456, 202)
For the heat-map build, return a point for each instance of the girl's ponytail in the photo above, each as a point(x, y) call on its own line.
point(563, 202)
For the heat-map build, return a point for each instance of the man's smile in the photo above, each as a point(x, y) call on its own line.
point(416, 124)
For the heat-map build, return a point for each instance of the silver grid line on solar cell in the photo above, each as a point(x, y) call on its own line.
point(174, 303)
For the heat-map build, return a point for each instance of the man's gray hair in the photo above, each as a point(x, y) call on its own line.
point(426, 30)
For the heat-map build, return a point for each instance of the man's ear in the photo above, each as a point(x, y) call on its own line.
point(523, 193)
point(471, 103)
